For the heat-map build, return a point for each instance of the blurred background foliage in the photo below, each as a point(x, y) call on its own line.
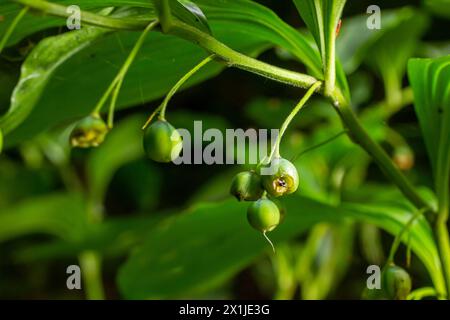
point(167, 231)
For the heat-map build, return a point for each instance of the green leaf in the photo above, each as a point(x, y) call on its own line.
point(321, 18)
point(38, 69)
point(430, 80)
point(183, 10)
point(211, 242)
point(311, 12)
point(189, 12)
point(60, 215)
point(35, 22)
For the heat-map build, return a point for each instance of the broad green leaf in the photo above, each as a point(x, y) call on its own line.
point(38, 69)
point(209, 243)
point(189, 12)
point(430, 80)
point(60, 215)
point(439, 7)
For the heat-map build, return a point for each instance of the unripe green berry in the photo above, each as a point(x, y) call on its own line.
point(89, 132)
point(263, 215)
point(246, 186)
point(396, 282)
point(162, 142)
point(282, 179)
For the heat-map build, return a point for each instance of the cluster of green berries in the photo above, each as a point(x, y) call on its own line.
point(265, 213)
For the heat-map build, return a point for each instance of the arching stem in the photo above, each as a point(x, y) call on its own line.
point(162, 108)
point(123, 71)
point(276, 148)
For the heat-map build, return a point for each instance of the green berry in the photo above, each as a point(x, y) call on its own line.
point(89, 132)
point(396, 282)
point(162, 142)
point(263, 215)
point(246, 186)
point(282, 179)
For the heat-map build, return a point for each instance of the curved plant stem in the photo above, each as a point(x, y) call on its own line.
point(90, 263)
point(172, 26)
point(321, 144)
point(112, 106)
point(175, 88)
point(123, 71)
point(181, 82)
point(86, 17)
point(276, 148)
point(421, 293)
point(269, 241)
point(361, 137)
point(239, 60)
point(12, 27)
point(398, 238)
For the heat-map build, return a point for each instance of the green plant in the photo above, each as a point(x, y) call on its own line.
point(263, 215)
point(396, 282)
point(162, 142)
point(283, 181)
point(246, 186)
point(208, 35)
point(89, 132)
